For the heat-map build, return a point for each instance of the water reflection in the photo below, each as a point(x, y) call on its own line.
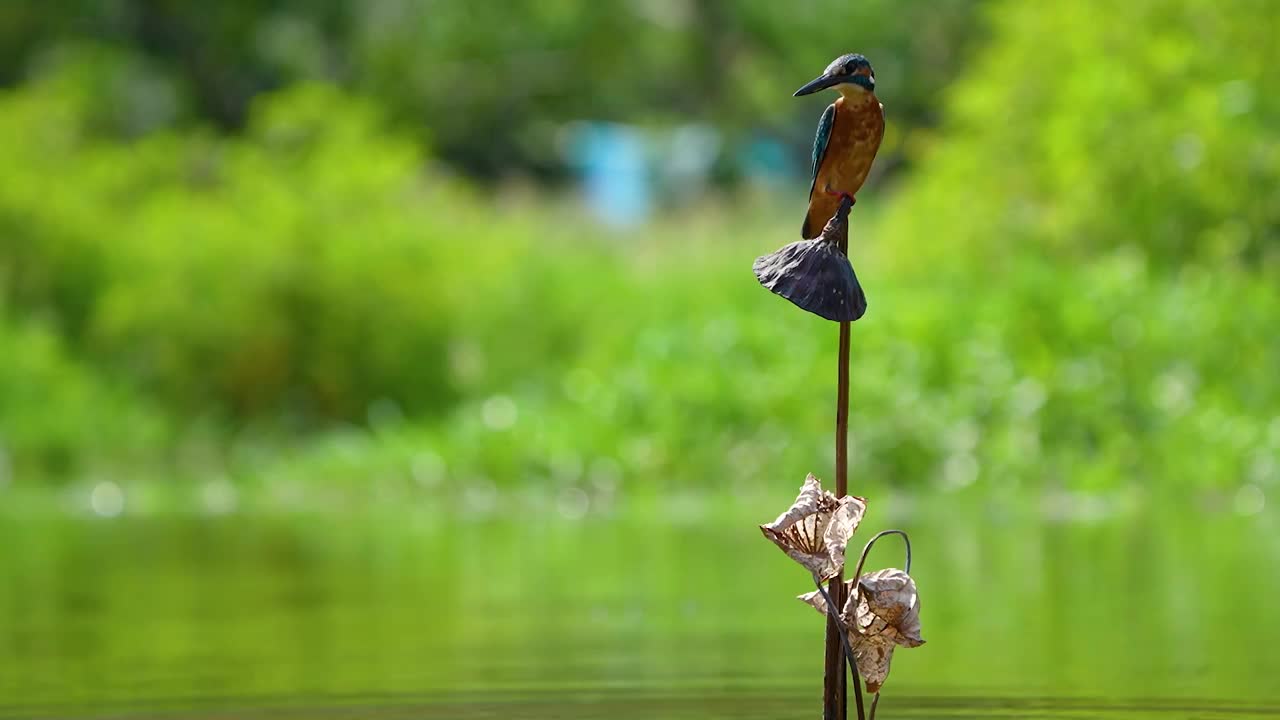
point(623, 615)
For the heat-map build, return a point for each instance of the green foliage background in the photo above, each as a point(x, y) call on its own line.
point(1073, 284)
point(487, 86)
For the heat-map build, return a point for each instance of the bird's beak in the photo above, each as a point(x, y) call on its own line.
point(819, 83)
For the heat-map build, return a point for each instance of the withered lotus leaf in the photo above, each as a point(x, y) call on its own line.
point(816, 528)
point(883, 613)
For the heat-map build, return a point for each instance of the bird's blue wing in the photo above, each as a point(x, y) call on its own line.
point(820, 142)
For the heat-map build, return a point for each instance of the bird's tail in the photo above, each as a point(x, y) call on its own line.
point(821, 208)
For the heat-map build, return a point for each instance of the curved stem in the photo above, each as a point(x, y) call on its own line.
point(874, 702)
point(862, 560)
point(844, 640)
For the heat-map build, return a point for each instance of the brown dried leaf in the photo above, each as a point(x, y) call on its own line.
point(816, 528)
point(873, 653)
point(883, 614)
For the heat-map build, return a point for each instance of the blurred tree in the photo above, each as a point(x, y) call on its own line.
point(222, 53)
point(304, 273)
point(1158, 129)
point(496, 99)
point(491, 84)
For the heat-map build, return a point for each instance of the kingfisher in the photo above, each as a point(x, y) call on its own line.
point(849, 135)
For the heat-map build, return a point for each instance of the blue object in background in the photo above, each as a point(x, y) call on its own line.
point(766, 161)
point(689, 152)
point(612, 161)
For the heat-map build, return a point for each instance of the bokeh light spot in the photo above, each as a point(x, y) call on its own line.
point(499, 412)
point(1250, 500)
point(573, 503)
point(219, 497)
point(427, 468)
point(106, 499)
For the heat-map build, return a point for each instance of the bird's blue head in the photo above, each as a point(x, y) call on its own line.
point(850, 70)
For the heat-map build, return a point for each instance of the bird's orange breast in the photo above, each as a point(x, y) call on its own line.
point(855, 139)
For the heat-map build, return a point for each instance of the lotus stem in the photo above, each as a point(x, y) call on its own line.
point(834, 616)
point(836, 693)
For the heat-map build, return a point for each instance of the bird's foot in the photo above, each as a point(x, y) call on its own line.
point(842, 195)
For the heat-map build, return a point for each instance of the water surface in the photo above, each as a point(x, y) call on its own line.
point(623, 615)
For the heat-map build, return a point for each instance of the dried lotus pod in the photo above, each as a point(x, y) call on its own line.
point(816, 274)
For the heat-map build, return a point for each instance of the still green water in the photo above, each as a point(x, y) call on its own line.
point(677, 611)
